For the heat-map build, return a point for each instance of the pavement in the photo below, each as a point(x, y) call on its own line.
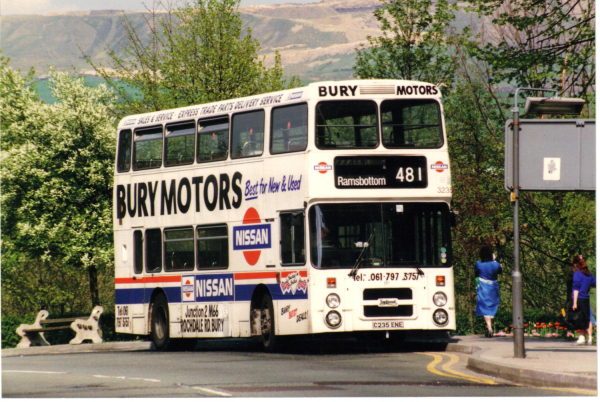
point(552, 363)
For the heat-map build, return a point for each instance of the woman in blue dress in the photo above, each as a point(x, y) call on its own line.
point(488, 292)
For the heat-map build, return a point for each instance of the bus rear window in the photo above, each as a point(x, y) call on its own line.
point(147, 148)
point(346, 124)
point(179, 144)
point(411, 123)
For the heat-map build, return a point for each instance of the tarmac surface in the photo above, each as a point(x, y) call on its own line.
point(553, 363)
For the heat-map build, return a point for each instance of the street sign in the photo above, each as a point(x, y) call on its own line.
point(553, 155)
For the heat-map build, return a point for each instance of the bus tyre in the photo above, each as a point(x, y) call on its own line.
point(160, 323)
point(267, 324)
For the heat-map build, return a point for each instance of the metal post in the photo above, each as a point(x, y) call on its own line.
point(517, 277)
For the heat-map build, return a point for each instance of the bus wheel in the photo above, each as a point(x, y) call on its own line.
point(160, 323)
point(267, 324)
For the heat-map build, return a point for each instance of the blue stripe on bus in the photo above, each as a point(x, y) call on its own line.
point(136, 296)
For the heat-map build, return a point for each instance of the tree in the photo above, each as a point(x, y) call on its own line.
point(413, 45)
point(554, 225)
point(192, 54)
point(536, 43)
point(475, 129)
point(56, 194)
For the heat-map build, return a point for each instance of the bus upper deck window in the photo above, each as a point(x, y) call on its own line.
point(213, 139)
point(412, 123)
point(346, 124)
point(147, 148)
point(247, 134)
point(289, 129)
point(179, 144)
point(124, 151)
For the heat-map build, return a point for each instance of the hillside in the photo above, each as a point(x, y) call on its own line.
point(316, 41)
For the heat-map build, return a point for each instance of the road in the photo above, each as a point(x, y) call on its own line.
point(308, 368)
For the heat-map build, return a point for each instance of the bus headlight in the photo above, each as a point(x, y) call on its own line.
point(332, 300)
point(333, 319)
point(440, 317)
point(440, 299)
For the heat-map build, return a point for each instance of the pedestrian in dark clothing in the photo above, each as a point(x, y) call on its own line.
point(488, 292)
point(583, 281)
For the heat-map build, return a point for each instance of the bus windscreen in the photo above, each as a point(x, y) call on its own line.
point(380, 235)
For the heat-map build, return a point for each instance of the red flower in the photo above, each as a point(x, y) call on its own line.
point(550, 325)
point(526, 325)
point(557, 323)
point(512, 326)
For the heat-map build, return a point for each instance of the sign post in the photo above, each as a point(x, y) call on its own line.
point(536, 105)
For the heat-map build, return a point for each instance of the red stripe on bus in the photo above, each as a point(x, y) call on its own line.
point(155, 279)
point(240, 276)
point(256, 275)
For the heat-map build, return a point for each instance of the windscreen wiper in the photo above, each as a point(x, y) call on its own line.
point(359, 259)
point(417, 267)
point(419, 271)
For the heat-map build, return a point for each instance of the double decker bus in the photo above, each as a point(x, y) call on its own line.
point(317, 210)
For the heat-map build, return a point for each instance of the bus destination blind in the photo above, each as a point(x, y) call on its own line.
point(380, 172)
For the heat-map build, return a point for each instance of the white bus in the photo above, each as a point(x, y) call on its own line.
point(318, 210)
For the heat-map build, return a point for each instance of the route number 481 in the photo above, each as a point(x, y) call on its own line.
point(408, 174)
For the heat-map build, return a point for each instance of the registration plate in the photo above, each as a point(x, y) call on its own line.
point(388, 325)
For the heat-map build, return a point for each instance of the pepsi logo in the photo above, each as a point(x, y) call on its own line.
point(252, 236)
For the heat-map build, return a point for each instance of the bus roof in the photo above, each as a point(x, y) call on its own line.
point(330, 90)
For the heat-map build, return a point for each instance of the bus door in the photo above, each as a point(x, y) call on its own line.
point(144, 259)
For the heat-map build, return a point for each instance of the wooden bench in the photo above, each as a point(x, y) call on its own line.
point(86, 328)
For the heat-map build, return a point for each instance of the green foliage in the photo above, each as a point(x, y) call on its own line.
point(10, 339)
point(413, 43)
point(554, 225)
point(539, 44)
point(503, 320)
point(57, 164)
point(196, 53)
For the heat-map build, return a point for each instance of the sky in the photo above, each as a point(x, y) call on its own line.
point(8, 7)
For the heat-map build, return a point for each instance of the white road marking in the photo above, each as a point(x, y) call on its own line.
point(34, 372)
point(210, 391)
point(126, 378)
